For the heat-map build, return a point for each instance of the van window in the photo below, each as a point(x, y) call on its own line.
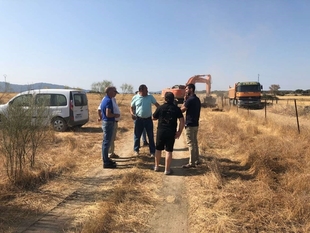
point(22, 100)
point(80, 99)
point(51, 99)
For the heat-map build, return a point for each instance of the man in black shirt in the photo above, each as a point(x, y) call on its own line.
point(167, 115)
point(192, 106)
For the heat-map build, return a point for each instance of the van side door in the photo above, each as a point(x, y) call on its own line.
point(50, 105)
point(79, 106)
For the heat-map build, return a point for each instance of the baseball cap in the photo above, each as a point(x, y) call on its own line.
point(111, 89)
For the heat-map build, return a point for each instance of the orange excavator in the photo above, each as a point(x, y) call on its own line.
point(179, 90)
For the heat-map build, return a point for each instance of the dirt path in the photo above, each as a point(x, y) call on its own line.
point(171, 213)
point(63, 217)
point(81, 194)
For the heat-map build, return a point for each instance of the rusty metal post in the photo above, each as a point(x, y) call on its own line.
point(297, 116)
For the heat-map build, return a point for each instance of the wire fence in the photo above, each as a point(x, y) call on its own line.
point(293, 112)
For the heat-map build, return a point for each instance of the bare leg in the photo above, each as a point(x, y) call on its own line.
point(168, 161)
point(157, 158)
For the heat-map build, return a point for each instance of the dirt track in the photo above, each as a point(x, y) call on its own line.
point(171, 214)
point(80, 195)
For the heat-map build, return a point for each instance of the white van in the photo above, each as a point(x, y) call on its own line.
point(67, 107)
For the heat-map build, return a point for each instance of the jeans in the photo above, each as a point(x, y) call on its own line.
point(192, 143)
point(108, 129)
point(112, 146)
point(144, 136)
point(140, 124)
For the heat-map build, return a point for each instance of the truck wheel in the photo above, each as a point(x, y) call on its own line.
point(59, 124)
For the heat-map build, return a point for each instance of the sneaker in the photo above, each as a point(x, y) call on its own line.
point(152, 155)
point(111, 161)
point(188, 166)
point(168, 172)
point(197, 163)
point(156, 169)
point(109, 165)
point(136, 153)
point(114, 156)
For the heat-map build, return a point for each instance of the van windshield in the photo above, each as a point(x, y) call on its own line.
point(248, 88)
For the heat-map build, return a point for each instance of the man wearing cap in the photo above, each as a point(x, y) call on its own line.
point(141, 112)
point(116, 111)
point(108, 121)
point(167, 115)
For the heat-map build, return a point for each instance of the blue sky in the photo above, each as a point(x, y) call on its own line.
point(159, 43)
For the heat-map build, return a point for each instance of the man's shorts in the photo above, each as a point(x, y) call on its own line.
point(165, 140)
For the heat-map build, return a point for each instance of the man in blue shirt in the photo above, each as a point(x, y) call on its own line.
point(108, 120)
point(141, 112)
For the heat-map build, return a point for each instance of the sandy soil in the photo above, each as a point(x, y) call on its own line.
point(77, 199)
point(171, 214)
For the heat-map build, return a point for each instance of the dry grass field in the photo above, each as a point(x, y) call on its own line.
point(254, 177)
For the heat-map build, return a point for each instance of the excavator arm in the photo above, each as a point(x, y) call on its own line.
point(200, 79)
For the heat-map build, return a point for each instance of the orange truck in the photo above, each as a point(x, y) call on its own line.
point(246, 94)
point(179, 90)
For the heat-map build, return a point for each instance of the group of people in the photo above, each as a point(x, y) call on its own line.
point(170, 125)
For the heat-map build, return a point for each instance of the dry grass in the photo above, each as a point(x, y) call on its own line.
point(5, 97)
point(258, 179)
point(254, 177)
point(66, 158)
point(125, 210)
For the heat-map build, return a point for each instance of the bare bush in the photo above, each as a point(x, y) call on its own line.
point(23, 131)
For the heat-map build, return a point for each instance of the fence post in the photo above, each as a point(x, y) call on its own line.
point(222, 97)
point(297, 116)
point(265, 109)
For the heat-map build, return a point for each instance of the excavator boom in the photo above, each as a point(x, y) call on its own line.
point(200, 79)
point(179, 90)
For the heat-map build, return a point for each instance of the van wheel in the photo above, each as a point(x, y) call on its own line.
point(59, 124)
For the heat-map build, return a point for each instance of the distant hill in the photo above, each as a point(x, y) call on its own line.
point(19, 88)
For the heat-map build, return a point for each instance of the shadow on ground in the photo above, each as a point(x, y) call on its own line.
point(229, 169)
point(93, 129)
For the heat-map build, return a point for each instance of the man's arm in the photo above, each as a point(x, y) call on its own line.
point(157, 105)
point(181, 127)
point(99, 114)
point(109, 113)
point(155, 115)
point(183, 108)
point(133, 112)
point(153, 100)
